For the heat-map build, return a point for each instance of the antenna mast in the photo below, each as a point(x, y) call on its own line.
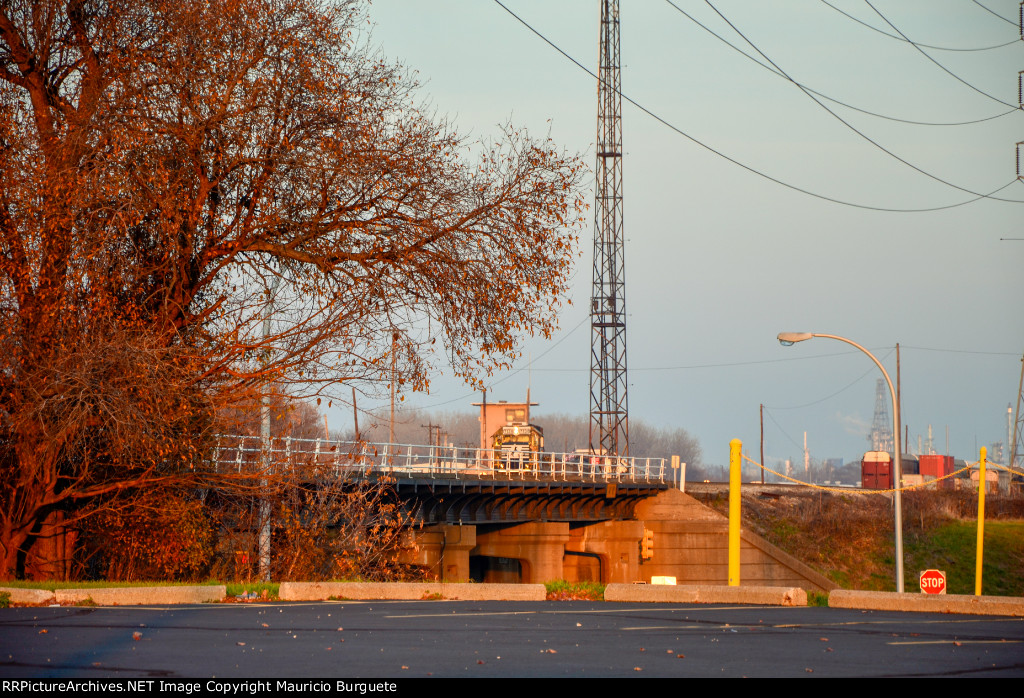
point(609, 432)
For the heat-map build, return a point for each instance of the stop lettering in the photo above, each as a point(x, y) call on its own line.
point(933, 582)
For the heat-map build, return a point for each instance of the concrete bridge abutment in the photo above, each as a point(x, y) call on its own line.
point(603, 551)
point(690, 544)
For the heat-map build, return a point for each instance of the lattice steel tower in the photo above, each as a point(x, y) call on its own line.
point(609, 430)
point(881, 427)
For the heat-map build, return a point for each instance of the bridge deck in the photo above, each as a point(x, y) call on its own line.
point(462, 485)
point(540, 499)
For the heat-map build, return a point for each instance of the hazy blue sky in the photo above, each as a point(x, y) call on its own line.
point(718, 259)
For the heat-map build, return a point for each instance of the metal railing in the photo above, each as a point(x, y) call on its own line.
point(364, 459)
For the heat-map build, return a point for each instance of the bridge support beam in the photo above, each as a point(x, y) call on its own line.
point(441, 548)
point(539, 547)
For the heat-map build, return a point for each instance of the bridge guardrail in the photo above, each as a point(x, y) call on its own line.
point(363, 459)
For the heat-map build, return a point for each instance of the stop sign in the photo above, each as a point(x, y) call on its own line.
point(933, 582)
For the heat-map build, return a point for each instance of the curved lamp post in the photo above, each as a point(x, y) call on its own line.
point(788, 339)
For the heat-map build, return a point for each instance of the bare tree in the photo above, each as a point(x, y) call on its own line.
point(199, 198)
point(646, 440)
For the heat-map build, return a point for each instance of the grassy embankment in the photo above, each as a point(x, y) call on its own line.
point(849, 537)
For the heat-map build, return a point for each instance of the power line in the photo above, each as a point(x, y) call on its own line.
point(735, 364)
point(736, 162)
point(963, 351)
point(520, 369)
point(780, 74)
point(1009, 21)
point(732, 364)
point(937, 48)
point(847, 123)
point(846, 387)
point(944, 68)
point(785, 433)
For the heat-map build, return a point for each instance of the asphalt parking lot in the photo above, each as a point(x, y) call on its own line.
point(491, 639)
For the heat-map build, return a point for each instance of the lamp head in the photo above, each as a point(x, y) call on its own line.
point(788, 339)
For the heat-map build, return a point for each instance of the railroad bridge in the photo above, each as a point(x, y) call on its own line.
point(533, 517)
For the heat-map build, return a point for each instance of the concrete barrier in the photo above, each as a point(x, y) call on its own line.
point(706, 593)
point(640, 593)
point(927, 603)
point(139, 596)
point(29, 596)
point(409, 591)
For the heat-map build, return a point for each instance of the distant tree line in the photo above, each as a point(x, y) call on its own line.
point(562, 433)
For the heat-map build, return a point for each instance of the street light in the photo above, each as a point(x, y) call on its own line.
point(788, 339)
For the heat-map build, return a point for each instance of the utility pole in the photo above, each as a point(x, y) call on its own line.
point(762, 443)
point(355, 415)
point(265, 442)
point(609, 424)
point(432, 430)
point(807, 460)
point(1017, 445)
point(391, 423)
point(899, 412)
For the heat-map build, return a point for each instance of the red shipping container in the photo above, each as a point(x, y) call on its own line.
point(937, 466)
point(875, 474)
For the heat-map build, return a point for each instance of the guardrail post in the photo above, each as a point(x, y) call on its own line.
point(735, 448)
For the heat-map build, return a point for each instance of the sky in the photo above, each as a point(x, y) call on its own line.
point(720, 259)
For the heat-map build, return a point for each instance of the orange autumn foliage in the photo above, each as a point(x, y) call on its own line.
point(161, 535)
point(198, 198)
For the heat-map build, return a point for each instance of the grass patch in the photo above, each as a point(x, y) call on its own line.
point(5, 599)
point(561, 590)
point(952, 548)
point(265, 591)
point(817, 598)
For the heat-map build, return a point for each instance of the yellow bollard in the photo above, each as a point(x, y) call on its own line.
point(981, 520)
point(735, 462)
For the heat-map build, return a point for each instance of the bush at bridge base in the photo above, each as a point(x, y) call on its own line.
point(154, 535)
point(322, 529)
point(561, 590)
